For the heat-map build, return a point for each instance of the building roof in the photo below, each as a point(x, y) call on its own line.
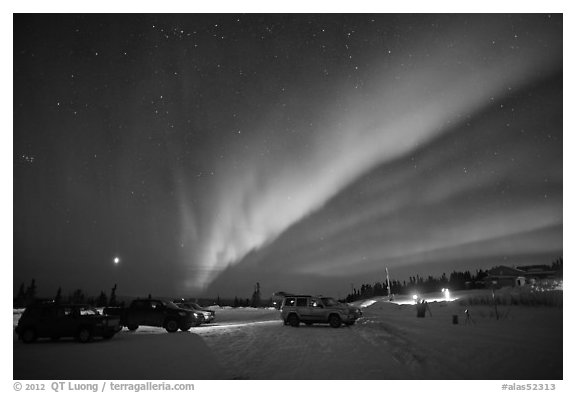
point(505, 271)
point(536, 268)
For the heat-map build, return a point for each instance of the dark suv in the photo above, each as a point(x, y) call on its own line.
point(310, 309)
point(51, 320)
point(155, 312)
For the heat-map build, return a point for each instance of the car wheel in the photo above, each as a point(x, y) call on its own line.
point(335, 321)
point(171, 326)
point(293, 320)
point(185, 328)
point(28, 336)
point(84, 335)
point(132, 327)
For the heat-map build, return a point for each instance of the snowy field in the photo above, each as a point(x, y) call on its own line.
point(389, 342)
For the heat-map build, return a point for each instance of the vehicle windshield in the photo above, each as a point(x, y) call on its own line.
point(171, 305)
point(89, 311)
point(195, 306)
point(330, 302)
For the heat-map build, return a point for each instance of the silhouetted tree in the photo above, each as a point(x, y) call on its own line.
point(444, 279)
point(58, 297)
point(21, 292)
point(378, 289)
point(77, 297)
point(31, 292)
point(236, 304)
point(102, 300)
point(113, 301)
point(20, 300)
point(557, 265)
point(256, 296)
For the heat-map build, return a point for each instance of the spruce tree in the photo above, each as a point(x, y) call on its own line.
point(102, 300)
point(58, 297)
point(256, 296)
point(113, 301)
point(31, 292)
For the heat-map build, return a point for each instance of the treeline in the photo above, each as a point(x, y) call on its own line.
point(456, 281)
point(235, 302)
point(28, 294)
point(255, 301)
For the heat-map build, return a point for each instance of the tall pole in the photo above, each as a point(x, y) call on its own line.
point(388, 284)
point(495, 305)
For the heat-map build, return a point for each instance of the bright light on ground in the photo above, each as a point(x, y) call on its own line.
point(412, 299)
point(368, 303)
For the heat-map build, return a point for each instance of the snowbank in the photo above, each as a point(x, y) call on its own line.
point(225, 315)
point(522, 343)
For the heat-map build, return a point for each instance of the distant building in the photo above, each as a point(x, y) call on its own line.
point(538, 271)
point(506, 276)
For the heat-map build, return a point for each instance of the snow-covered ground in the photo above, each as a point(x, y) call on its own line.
point(389, 342)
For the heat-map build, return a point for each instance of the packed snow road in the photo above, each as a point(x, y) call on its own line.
point(263, 348)
point(389, 342)
point(270, 350)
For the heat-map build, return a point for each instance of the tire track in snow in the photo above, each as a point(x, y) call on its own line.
point(388, 338)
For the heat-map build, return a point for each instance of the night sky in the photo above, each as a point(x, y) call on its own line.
point(306, 152)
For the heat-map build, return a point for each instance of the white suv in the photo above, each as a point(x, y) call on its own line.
point(311, 309)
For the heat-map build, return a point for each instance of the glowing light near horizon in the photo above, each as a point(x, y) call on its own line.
point(430, 298)
point(116, 260)
point(367, 303)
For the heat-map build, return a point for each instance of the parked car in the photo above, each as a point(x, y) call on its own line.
point(311, 309)
point(155, 312)
point(208, 315)
point(51, 320)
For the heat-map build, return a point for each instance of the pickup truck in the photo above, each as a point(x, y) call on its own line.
point(155, 312)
